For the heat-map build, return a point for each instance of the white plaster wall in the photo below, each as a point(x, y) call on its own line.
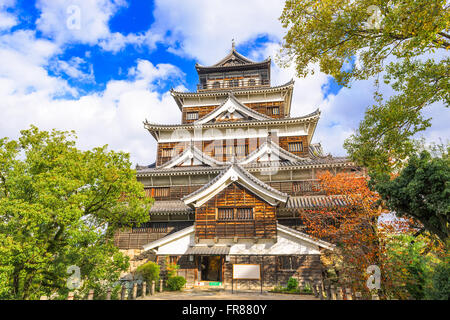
point(177, 247)
point(285, 245)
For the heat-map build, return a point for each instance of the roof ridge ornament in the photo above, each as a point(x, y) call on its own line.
point(233, 47)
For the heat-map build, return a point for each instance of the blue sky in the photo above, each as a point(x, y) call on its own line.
point(102, 67)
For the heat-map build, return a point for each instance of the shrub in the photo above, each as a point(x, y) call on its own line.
point(292, 284)
point(172, 269)
point(176, 283)
point(149, 271)
point(440, 283)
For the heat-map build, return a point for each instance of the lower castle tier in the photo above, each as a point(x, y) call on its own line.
point(231, 181)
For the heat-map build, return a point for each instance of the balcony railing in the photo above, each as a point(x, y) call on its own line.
point(233, 83)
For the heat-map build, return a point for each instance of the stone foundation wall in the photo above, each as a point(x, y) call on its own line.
point(137, 258)
point(309, 270)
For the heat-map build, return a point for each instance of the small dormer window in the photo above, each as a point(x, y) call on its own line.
point(295, 147)
point(192, 116)
point(273, 110)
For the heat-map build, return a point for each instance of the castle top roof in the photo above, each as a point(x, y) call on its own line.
point(232, 60)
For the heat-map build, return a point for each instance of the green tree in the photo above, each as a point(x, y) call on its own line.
point(149, 271)
point(421, 191)
point(60, 206)
point(440, 282)
point(334, 33)
point(408, 267)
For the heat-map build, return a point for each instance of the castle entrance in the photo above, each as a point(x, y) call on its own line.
point(210, 268)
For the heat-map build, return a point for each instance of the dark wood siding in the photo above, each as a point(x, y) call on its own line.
point(135, 238)
point(262, 226)
point(284, 143)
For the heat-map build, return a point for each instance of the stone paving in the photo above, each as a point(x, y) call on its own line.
point(202, 294)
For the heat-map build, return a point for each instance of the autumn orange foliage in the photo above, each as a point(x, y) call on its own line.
point(353, 228)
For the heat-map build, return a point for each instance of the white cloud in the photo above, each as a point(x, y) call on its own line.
point(198, 28)
point(25, 70)
point(76, 68)
point(203, 29)
point(113, 116)
point(76, 21)
point(7, 19)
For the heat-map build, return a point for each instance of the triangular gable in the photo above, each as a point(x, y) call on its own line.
point(235, 173)
point(305, 237)
point(233, 58)
point(270, 151)
point(232, 109)
point(183, 233)
point(192, 156)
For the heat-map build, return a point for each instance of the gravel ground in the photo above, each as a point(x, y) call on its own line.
point(201, 294)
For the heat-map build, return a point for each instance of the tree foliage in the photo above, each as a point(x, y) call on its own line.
point(60, 206)
point(421, 191)
point(149, 271)
point(352, 227)
point(353, 40)
point(364, 238)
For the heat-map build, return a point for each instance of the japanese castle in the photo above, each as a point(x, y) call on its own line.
point(231, 181)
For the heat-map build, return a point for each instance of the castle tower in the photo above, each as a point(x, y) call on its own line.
point(230, 182)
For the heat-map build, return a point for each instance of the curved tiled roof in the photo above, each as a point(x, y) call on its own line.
point(242, 171)
point(275, 147)
point(234, 55)
point(245, 109)
point(288, 84)
point(322, 162)
point(321, 201)
point(196, 152)
point(311, 116)
point(169, 206)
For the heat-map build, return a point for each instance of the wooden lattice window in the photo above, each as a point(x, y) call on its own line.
point(162, 192)
point(287, 263)
point(235, 214)
point(244, 214)
point(230, 150)
point(159, 227)
point(274, 110)
point(305, 186)
point(295, 147)
point(166, 152)
point(216, 84)
point(242, 149)
point(173, 259)
point(251, 82)
point(225, 214)
point(192, 116)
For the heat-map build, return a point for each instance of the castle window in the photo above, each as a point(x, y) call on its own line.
point(251, 82)
point(295, 147)
point(216, 84)
point(160, 227)
point(166, 152)
point(287, 263)
point(173, 259)
point(235, 214)
point(244, 214)
point(192, 116)
point(161, 192)
point(225, 213)
point(273, 110)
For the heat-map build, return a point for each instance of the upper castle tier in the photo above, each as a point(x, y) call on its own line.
point(234, 111)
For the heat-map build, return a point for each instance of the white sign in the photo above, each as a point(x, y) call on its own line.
point(247, 271)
